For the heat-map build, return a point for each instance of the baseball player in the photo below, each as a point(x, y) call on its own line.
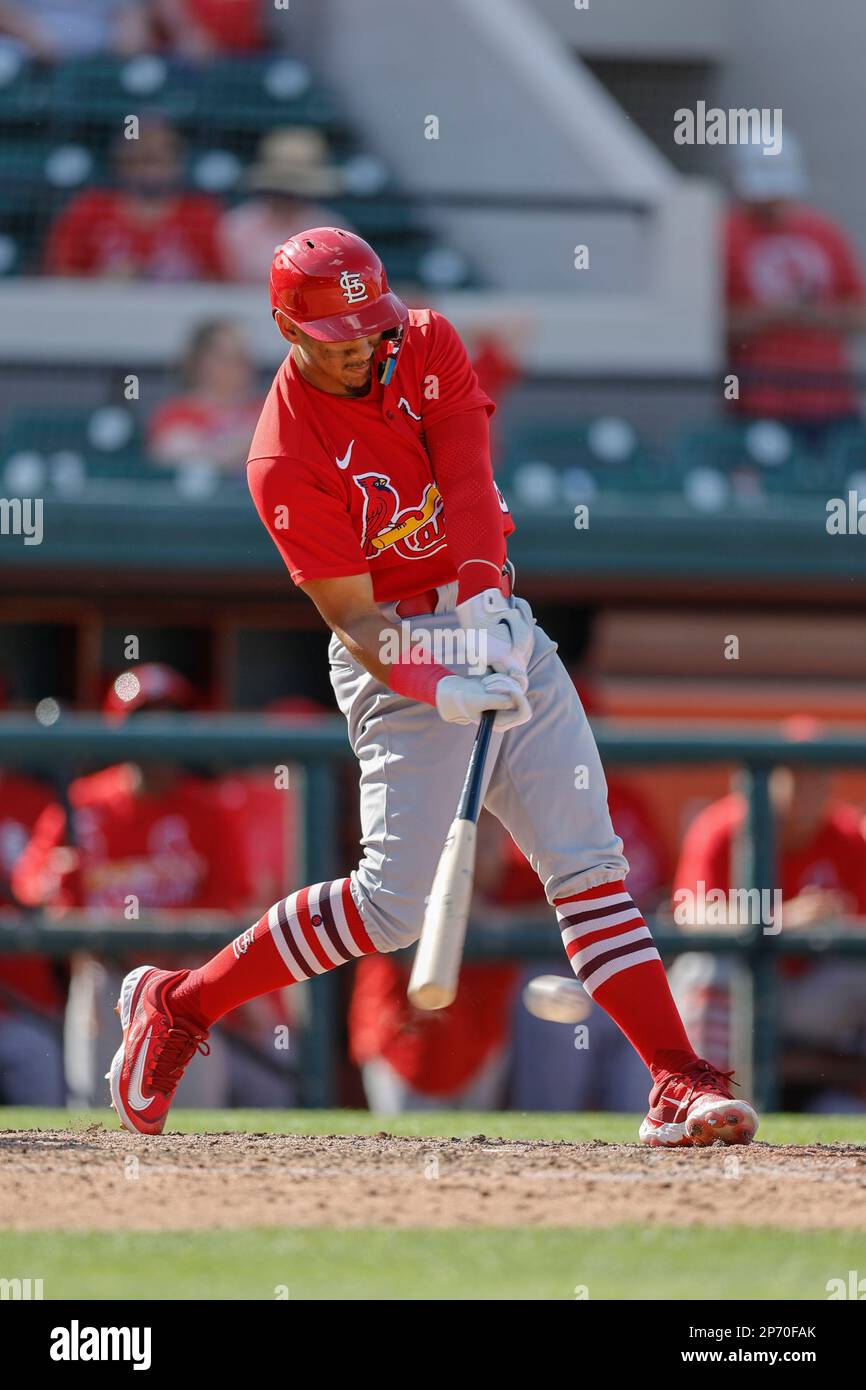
point(370, 469)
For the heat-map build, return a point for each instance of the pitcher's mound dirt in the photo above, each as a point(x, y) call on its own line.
point(109, 1180)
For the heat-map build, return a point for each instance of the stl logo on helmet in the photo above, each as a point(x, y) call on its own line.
point(414, 532)
point(353, 287)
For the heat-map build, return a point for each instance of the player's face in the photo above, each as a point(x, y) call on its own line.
point(343, 369)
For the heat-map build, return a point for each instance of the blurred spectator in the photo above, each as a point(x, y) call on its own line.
point(145, 228)
point(31, 997)
point(201, 29)
point(54, 31)
point(213, 420)
point(144, 837)
point(550, 1070)
point(821, 875)
point(796, 298)
point(455, 1058)
point(292, 171)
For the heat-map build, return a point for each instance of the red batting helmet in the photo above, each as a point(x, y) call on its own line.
point(332, 284)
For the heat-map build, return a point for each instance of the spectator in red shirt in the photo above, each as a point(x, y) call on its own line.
point(796, 298)
point(821, 876)
point(214, 419)
point(146, 227)
point(201, 29)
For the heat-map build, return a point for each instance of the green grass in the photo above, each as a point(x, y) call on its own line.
point(621, 1262)
point(612, 1129)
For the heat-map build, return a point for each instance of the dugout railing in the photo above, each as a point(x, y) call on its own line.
point(76, 743)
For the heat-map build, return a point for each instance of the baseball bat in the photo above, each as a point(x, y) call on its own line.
point(436, 969)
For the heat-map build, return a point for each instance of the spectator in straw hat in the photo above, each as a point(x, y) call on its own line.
point(291, 173)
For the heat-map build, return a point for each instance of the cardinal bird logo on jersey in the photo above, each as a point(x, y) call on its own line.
point(412, 531)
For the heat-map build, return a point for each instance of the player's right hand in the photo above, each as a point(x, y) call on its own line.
point(463, 700)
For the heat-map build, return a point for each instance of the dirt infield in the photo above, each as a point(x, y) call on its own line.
point(104, 1180)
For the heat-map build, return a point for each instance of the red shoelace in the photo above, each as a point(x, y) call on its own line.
point(704, 1078)
point(173, 1051)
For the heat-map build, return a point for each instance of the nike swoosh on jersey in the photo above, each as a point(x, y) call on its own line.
point(344, 461)
point(136, 1099)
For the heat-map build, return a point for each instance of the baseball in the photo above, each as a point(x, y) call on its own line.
point(556, 999)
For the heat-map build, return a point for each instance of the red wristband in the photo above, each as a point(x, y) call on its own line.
point(417, 681)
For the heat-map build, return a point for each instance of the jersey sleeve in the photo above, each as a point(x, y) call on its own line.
point(308, 522)
point(450, 385)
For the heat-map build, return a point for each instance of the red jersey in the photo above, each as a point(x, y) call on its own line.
point(98, 234)
point(345, 484)
point(835, 857)
point(805, 258)
point(179, 850)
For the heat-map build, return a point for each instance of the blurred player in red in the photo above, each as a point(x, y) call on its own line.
point(796, 298)
point(31, 996)
point(370, 469)
point(822, 876)
point(456, 1059)
point(145, 837)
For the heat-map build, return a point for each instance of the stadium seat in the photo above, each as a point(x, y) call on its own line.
point(728, 445)
point(37, 174)
point(756, 460)
point(548, 465)
point(260, 93)
point(64, 451)
point(103, 91)
point(24, 89)
point(844, 458)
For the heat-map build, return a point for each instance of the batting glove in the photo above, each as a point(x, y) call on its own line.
point(463, 700)
point(504, 635)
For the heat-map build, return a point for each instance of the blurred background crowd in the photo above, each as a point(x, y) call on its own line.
point(695, 381)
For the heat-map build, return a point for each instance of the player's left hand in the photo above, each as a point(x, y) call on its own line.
point(506, 637)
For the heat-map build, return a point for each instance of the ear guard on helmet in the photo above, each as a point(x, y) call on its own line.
point(394, 339)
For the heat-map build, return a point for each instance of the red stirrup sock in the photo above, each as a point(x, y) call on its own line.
point(613, 955)
point(305, 934)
